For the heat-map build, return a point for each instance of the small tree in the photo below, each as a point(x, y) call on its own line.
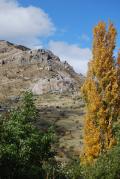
point(23, 148)
point(101, 91)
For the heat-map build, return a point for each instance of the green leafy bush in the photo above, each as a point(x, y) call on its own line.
point(23, 148)
point(107, 166)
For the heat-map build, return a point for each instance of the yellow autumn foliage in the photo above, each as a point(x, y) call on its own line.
point(101, 91)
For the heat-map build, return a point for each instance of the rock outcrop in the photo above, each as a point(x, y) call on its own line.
point(38, 70)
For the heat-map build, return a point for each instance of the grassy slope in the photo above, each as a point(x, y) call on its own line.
point(66, 113)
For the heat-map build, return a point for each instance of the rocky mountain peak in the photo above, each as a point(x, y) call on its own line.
point(39, 70)
point(8, 45)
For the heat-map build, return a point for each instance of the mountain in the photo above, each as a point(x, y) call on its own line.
point(38, 70)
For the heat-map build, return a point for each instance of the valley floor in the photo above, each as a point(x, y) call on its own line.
point(66, 113)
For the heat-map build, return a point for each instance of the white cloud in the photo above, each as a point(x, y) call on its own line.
point(23, 24)
point(76, 56)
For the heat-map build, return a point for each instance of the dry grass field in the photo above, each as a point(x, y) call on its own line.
point(66, 113)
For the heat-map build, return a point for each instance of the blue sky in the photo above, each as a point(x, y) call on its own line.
point(63, 26)
point(75, 19)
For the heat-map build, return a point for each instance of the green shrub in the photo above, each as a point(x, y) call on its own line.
point(23, 148)
point(107, 166)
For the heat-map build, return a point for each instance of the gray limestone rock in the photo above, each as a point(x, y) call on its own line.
point(40, 70)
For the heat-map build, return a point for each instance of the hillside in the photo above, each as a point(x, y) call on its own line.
point(56, 87)
point(38, 70)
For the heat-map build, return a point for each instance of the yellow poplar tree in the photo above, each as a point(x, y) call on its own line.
point(101, 92)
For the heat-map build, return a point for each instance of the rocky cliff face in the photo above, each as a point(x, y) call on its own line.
point(38, 70)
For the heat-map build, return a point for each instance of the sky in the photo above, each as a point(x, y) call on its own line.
point(62, 26)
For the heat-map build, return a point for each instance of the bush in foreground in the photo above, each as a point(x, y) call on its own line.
point(24, 149)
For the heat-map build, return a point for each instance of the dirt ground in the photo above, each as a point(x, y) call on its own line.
point(66, 113)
